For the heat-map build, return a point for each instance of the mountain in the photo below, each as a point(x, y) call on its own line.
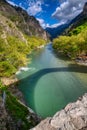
point(27, 24)
point(81, 18)
point(78, 21)
point(19, 34)
point(65, 29)
point(73, 41)
point(54, 32)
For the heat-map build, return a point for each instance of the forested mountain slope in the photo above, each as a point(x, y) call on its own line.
point(19, 34)
point(79, 23)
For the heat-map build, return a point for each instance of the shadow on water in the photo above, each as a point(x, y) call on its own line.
point(67, 87)
point(57, 54)
point(61, 56)
point(40, 73)
point(32, 80)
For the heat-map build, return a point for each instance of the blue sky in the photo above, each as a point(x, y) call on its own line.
point(51, 13)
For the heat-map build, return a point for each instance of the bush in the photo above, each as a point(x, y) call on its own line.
point(73, 45)
point(13, 53)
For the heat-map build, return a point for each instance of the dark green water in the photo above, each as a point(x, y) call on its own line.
point(51, 82)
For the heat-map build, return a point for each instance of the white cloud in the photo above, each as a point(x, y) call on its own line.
point(45, 25)
point(57, 24)
point(35, 7)
point(11, 3)
point(68, 9)
point(42, 23)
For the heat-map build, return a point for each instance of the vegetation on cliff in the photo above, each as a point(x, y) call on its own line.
point(19, 114)
point(15, 43)
point(19, 35)
point(17, 111)
point(79, 29)
point(13, 53)
point(23, 21)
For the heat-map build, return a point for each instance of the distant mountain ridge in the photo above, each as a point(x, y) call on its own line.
point(54, 32)
point(66, 28)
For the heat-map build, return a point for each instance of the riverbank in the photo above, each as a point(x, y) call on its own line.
point(72, 117)
point(70, 86)
point(13, 110)
point(14, 96)
point(69, 118)
point(81, 60)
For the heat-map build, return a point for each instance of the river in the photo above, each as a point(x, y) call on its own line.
point(51, 82)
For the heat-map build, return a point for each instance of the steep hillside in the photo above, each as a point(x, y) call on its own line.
point(19, 34)
point(79, 23)
point(27, 24)
point(74, 26)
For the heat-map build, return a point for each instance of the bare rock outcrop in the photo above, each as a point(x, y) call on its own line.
point(85, 9)
point(72, 117)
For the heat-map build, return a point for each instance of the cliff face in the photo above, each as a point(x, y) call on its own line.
point(85, 8)
point(10, 122)
point(73, 117)
point(27, 24)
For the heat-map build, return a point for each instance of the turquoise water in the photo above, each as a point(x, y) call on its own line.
point(51, 82)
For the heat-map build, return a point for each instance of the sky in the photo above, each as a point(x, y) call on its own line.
point(51, 13)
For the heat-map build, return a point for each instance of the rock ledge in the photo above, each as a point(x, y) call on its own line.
point(72, 117)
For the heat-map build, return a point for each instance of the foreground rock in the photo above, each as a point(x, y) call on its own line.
point(73, 117)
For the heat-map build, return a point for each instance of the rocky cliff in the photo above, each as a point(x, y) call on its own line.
point(72, 117)
point(19, 32)
point(14, 114)
point(85, 8)
point(27, 24)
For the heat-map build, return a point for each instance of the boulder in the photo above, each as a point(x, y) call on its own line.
point(72, 117)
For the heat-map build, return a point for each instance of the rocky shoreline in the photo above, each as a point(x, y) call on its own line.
point(6, 121)
point(72, 117)
point(82, 60)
